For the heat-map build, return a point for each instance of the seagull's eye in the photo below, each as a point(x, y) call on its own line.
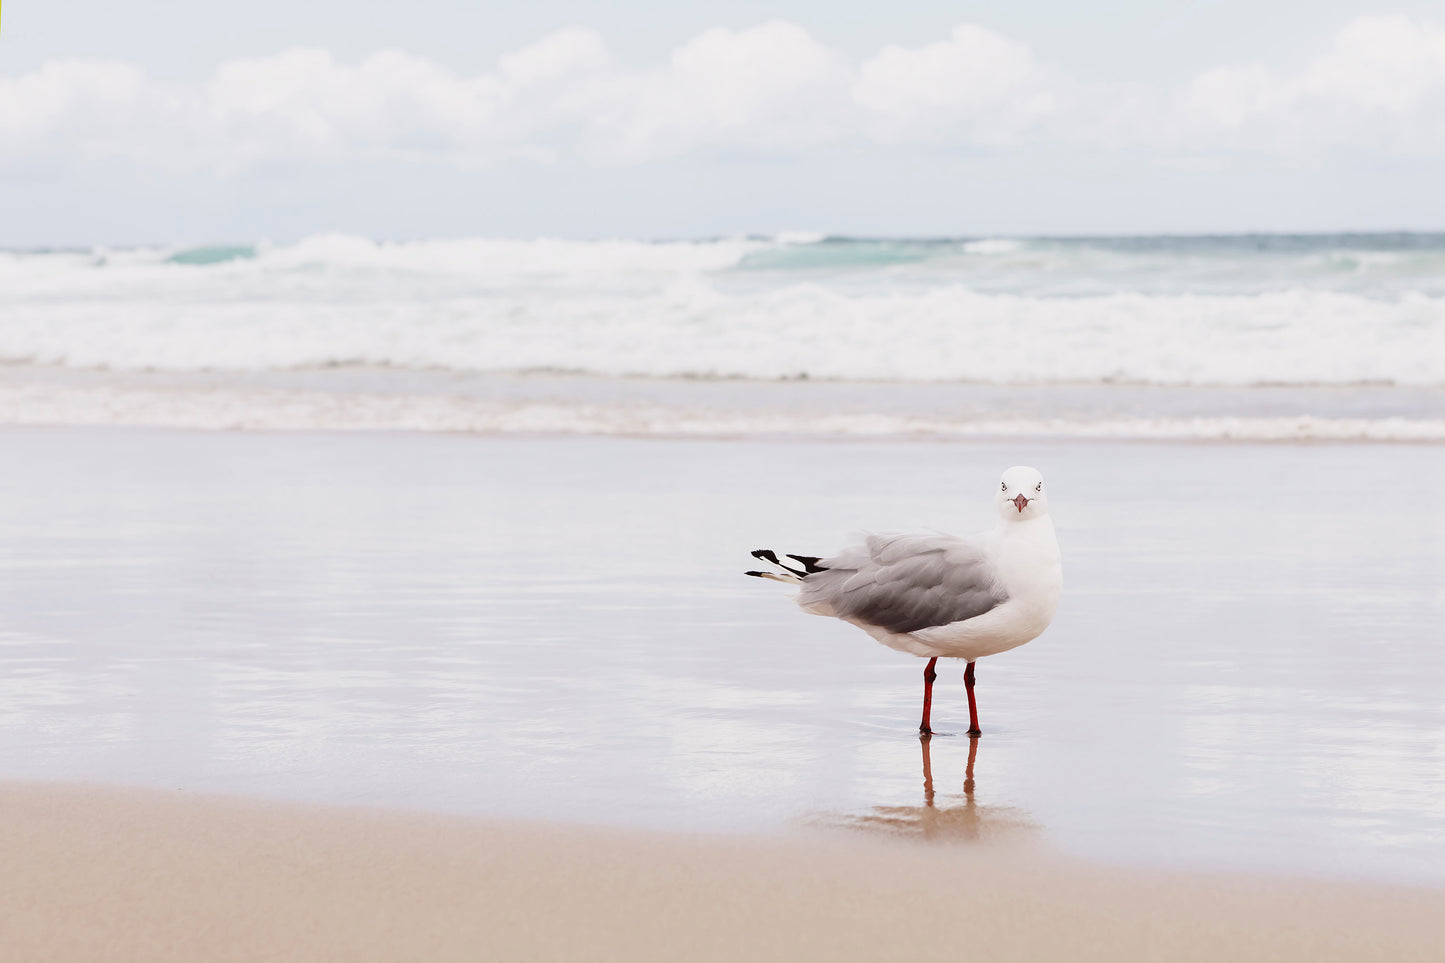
point(1039, 487)
point(1003, 486)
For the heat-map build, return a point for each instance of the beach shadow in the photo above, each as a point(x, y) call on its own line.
point(949, 817)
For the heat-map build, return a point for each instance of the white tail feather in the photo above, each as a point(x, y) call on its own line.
point(789, 578)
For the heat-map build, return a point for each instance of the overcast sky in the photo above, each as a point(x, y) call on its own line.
point(163, 121)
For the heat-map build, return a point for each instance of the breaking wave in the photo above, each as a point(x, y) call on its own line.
point(1236, 311)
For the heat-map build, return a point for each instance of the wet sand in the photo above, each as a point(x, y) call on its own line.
point(1244, 675)
point(99, 874)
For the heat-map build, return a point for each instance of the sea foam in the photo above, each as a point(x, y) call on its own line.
point(997, 311)
point(231, 406)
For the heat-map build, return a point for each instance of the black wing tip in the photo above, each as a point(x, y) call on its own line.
point(768, 554)
point(755, 574)
point(809, 563)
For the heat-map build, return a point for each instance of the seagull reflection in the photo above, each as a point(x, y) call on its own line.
point(949, 818)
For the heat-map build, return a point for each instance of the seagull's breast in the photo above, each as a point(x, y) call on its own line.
point(1030, 569)
point(1026, 564)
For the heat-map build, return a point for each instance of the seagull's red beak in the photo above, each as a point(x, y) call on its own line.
point(1020, 501)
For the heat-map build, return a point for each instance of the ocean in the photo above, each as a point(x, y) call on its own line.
point(1254, 337)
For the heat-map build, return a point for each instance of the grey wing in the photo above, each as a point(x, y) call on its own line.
point(904, 583)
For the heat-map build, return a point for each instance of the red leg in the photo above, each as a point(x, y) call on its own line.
point(923, 739)
point(973, 728)
point(928, 676)
point(968, 771)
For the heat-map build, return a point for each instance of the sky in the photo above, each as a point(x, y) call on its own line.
point(157, 121)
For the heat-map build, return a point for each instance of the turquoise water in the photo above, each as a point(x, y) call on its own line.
point(214, 254)
point(1373, 265)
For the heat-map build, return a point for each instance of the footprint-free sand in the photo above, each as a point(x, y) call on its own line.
point(94, 874)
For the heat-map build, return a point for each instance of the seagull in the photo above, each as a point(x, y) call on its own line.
point(941, 597)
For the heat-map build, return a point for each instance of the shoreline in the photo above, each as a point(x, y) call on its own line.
point(97, 871)
point(359, 399)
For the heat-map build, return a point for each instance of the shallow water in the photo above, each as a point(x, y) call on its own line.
point(358, 397)
point(1247, 670)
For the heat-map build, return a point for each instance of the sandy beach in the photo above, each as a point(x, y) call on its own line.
point(140, 875)
point(409, 696)
point(395, 401)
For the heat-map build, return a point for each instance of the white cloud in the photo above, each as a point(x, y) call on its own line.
point(976, 82)
point(1386, 63)
point(302, 103)
point(771, 88)
point(1381, 87)
point(558, 56)
point(68, 104)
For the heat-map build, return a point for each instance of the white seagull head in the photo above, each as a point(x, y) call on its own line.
point(1021, 494)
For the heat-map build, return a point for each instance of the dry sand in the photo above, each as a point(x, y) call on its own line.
point(99, 874)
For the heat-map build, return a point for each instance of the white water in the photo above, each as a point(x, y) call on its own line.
point(1235, 313)
point(738, 308)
